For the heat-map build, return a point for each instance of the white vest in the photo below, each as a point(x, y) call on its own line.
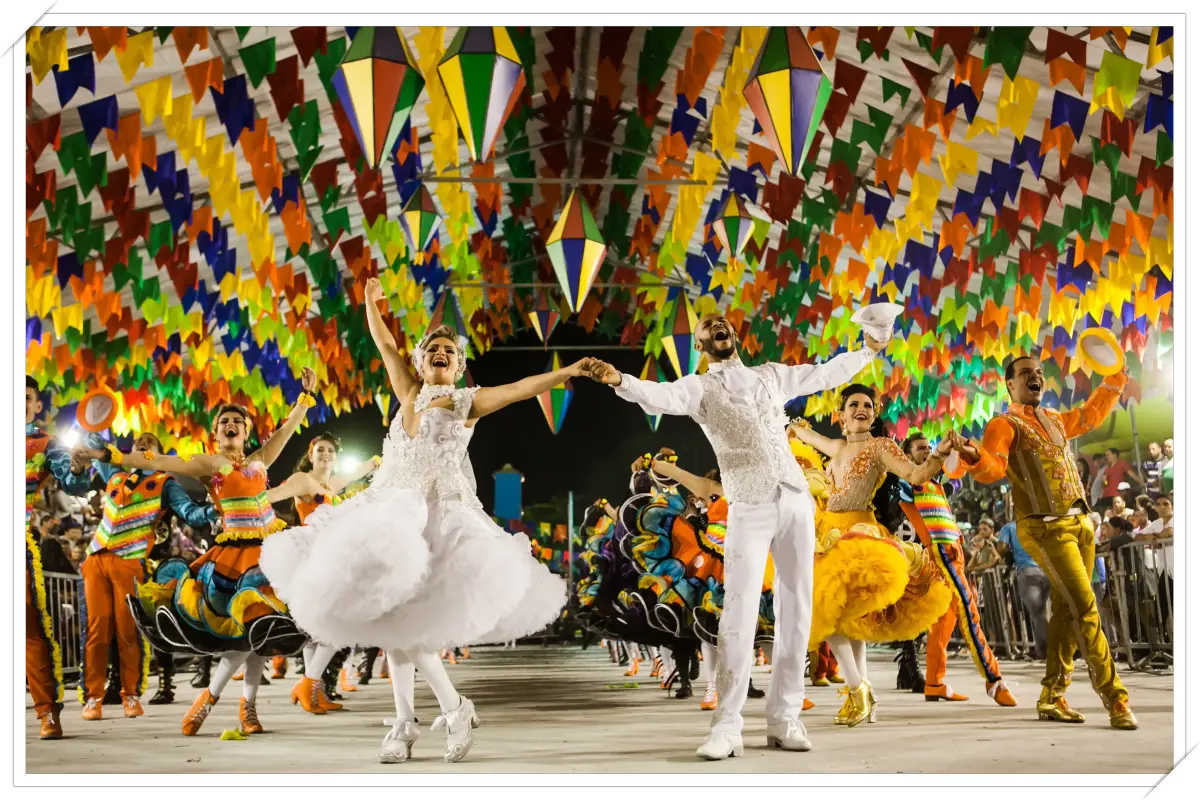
point(750, 442)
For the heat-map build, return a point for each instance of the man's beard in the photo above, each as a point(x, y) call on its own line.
point(718, 350)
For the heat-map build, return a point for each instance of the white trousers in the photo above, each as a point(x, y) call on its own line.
point(784, 528)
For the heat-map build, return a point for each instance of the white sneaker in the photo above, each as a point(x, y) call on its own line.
point(719, 746)
point(788, 735)
point(398, 744)
point(458, 725)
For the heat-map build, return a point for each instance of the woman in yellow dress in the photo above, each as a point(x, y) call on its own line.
point(867, 585)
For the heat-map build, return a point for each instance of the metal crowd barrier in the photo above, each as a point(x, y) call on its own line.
point(1136, 607)
point(64, 598)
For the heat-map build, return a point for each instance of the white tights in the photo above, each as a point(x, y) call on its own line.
point(708, 667)
point(851, 655)
point(229, 664)
point(317, 659)
point(403, 667)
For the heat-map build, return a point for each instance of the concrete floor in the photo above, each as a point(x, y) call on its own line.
point(563, 710)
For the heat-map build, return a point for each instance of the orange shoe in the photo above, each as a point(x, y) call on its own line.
point(942, 692)
point(305, 692)
point(658, 667)
point(761, 660)
point(383, 671)
point(807, 704)
point(451, 658)
point(93, 710)
point(710, 699)
point(133, 707)
point(323, 700)
point(344, 684)
point(196, 715)
point(279, 663)
point(1000, 693)
point(466, 654)
point(240, 674)
point(633, 668)
point(248, 717)
point(51, 727)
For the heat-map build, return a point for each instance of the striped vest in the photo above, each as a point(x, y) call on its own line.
point(930, 501)
point(132, 507)
point(35, 469)
point(241, 496)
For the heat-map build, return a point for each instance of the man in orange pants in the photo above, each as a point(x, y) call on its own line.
point(43, 659)
point(134, 505)
point(929, 512)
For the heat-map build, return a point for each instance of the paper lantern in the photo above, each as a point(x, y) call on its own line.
point(419, 219)
point(651, 372)
point(543, 318)
point(788, 92)
point(734, 225)
point(679, 337)
point(554, 402)
point(576, 250)
point(378, 84)
point(482, 75)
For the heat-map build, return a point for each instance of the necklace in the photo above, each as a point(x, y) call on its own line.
point(858, 437)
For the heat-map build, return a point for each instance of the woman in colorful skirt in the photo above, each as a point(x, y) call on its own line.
point(867, 585)
point(221, 602)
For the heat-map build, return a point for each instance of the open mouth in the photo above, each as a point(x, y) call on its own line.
point(1034, 386)
point(440, 361)
point(231, 432)
point(862, 417)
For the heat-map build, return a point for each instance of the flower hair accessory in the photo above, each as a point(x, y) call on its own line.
point(417, 354)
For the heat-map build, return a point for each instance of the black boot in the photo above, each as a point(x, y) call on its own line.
point(694, 670)
point(203, 673)
point(685, 665)
point(166, 687)
point(909, 677)
point(755, 693)
point(329, 678)
point(367, 667)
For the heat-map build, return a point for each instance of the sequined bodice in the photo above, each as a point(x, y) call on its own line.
point(434, 461)
point(862, 478)
point(749, 436)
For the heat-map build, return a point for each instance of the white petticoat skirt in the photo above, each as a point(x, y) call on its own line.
point(387, 569)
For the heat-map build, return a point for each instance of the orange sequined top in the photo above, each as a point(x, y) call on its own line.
point(862, 479)
point(1028, 445)
point(240, 494)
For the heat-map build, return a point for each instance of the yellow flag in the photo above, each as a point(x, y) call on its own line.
point(139, 51)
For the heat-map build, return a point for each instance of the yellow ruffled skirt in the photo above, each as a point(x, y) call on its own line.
point(869, 586)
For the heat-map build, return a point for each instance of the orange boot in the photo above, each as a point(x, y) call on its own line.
point(807, 704)
point(323, 699)
point(383, 670)
point(133, 706)
point(51, 728)
point(279, 663)
point(240, 674)
point(1000, 693)
point(466, 654)
point(710, 699)
point(93, 710)
point(658, 667)
point(450, 657)
point(306, 693)
point(248, 717)
point(344, 684)
point(761, 660)
point(196, 715)
point(633, 668)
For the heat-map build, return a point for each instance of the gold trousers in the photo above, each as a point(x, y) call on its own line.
point(1065, 549)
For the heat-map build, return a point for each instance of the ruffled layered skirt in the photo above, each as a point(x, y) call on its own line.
point(387, 569)
point(869, 586)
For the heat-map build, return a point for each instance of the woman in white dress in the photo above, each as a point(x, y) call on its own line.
point(413, 564)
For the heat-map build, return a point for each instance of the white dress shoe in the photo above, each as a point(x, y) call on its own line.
point(458, 725)
point(788, 735)
point(398, 744)
point(719, 746)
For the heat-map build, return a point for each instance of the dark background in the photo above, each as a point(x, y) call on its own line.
point(600, 435)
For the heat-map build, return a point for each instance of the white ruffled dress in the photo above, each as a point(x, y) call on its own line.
point(413, 562)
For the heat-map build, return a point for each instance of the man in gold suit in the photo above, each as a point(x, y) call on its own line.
point(1028, 445)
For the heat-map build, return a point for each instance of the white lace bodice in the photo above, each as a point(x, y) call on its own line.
point(434, 462)
point(748, 433)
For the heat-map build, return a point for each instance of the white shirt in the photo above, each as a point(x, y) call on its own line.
point(740, 410)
